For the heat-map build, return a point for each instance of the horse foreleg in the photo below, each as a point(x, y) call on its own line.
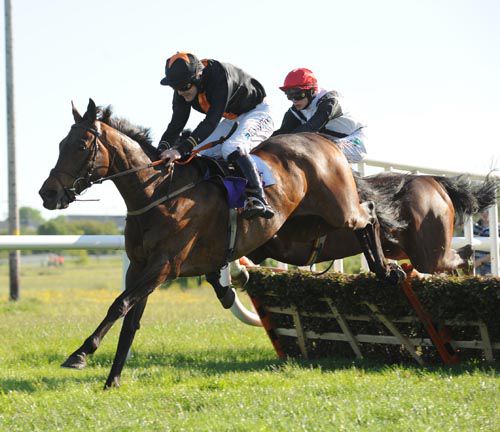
point(131, 324)
point(368, 246)
point(369, 240)
point(78, 359)
point(137, 289)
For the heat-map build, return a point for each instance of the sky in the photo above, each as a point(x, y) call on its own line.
point(423, 75)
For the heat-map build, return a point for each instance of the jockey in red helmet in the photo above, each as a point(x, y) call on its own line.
point(225, 94)
point(317, 110)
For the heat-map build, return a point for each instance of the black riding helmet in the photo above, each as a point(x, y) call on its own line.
point(181, 69)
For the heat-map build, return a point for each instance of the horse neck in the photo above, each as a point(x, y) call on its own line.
point(137, 187)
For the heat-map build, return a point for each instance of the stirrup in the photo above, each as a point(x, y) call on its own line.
point(256, 207)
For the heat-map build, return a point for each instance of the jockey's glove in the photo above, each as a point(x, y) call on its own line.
point(163, 145)
point(186, 146)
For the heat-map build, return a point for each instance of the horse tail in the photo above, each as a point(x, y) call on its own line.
point(469, 198)
point(486, 192)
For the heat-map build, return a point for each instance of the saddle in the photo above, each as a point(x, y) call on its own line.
point(230, 177)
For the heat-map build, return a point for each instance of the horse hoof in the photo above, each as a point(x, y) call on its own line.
point(465, 252)
point(75, 361)
point(396, 274)
point(240, 279)
point(112, 383)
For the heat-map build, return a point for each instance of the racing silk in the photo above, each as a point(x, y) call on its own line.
point(326, 114)
point(224, 91)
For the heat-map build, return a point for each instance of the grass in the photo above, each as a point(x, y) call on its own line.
point(194, 368)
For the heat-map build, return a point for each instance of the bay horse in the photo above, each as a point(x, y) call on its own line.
point(428, 207)
point(177, 220)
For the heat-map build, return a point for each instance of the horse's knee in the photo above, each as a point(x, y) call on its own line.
point(132, 321)
point(118, 308)
point(369, 207)
point(132, 326)
point(366, 216)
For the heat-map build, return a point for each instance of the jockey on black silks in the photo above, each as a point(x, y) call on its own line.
point(226, 94)
point(317, 110)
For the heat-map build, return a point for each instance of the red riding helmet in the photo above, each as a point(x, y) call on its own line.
point(300, 78)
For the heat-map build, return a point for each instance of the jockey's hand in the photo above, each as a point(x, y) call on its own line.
point(163, 145)
point(170, 155)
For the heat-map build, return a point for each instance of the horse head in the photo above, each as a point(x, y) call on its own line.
point(80, 161)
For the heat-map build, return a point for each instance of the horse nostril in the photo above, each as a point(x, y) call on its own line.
point(48, 194)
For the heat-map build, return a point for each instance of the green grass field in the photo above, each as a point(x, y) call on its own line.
point(195, 368)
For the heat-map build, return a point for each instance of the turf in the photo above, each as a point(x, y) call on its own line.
point(195, 368)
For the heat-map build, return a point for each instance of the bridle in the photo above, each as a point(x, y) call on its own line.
point(82, 180)
point(91, 166)
point(88, 167)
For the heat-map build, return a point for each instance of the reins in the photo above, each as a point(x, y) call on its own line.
point(162, 199)
point(208, 145)
point(177, 162)
point(129, 171)
point(93, 158)
point(185, 187)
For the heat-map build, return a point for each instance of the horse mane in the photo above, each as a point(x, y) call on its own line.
point(139, 134)
point(387, 209)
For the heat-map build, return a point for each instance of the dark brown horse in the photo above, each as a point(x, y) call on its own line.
point(427, 206)
point(185, 235)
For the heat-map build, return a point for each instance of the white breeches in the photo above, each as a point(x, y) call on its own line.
point(254, 127)
point(353, 146)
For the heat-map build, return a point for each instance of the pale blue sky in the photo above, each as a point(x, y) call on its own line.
point(423, 75)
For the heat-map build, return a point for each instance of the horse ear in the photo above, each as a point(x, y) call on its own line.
point(91, 113)
point(76, 114)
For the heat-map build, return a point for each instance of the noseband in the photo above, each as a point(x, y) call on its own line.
point(89, 164)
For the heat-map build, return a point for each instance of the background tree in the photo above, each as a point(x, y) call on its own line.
point(30, 218)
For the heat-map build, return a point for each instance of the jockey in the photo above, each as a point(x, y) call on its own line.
point(226, 94)
point(317, 110)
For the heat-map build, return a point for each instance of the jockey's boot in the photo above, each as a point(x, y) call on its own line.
point(255, 204)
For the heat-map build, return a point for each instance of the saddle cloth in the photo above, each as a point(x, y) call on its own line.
point(231, 179)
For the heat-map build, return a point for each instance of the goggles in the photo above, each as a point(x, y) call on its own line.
point(295, 95)
point(185, 87)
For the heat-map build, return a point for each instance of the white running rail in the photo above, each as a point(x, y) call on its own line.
point(486, 244)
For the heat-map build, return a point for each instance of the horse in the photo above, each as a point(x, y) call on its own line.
point(177, 220)
point(427, 207)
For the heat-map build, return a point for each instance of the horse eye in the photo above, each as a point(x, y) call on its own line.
point(82, 147)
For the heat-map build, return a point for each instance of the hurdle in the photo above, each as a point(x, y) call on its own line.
point(360, 317)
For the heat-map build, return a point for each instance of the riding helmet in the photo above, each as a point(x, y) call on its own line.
point(300, 78)
point(180, 69)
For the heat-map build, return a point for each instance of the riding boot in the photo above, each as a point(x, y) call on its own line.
point(255, 204)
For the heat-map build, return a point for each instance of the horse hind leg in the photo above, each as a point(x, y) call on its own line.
point(466, 255)
point(429, 252)
point(369, 239)
point(458, 259)
point(222, 288)
point(239, 274)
